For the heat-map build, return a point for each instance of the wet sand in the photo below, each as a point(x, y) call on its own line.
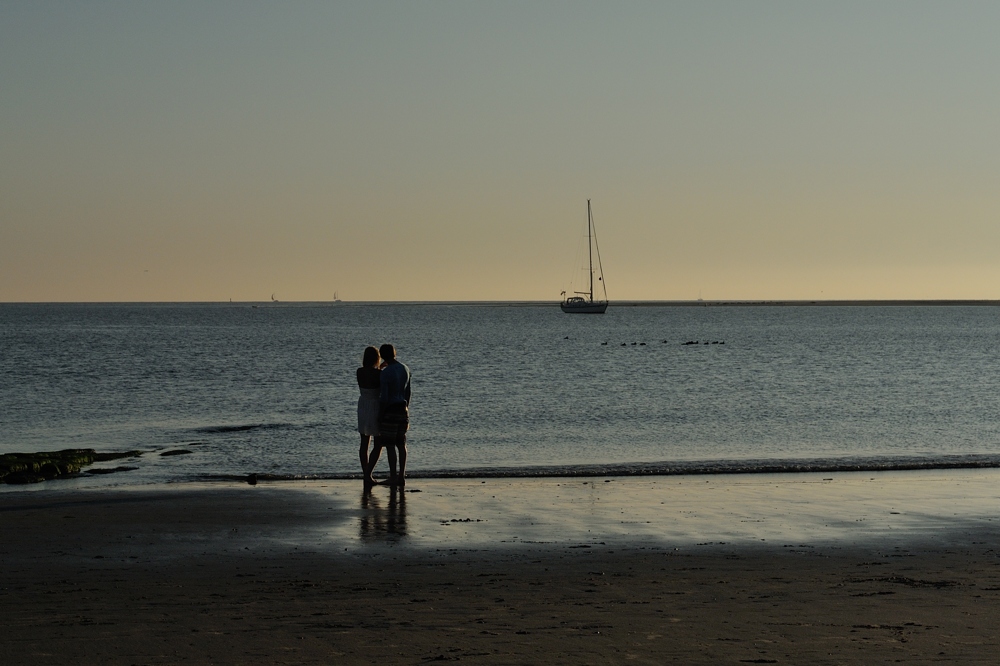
point(827, 569)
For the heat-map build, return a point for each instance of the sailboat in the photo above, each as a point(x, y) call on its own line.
point(583, 302)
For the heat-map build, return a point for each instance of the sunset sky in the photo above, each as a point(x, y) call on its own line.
point(202, 151)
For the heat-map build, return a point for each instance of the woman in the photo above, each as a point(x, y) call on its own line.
point(368, 382)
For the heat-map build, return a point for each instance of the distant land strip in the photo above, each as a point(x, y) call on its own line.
point(805, 303)
point(647, 304)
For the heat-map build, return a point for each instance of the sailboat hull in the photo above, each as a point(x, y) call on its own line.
point(584, 308)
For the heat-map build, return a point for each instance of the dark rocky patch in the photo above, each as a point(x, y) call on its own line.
point(45, 465)
point(176, 452)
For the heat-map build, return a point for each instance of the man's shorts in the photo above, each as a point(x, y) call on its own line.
point(394, 421)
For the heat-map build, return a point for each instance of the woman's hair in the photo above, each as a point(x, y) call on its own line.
point(371, 357)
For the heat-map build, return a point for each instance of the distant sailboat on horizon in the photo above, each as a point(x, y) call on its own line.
point(578, 304)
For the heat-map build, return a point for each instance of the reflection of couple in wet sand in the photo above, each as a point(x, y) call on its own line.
point(383, 412)
point(382, 523)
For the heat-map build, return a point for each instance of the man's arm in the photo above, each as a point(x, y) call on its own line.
point(383, 387)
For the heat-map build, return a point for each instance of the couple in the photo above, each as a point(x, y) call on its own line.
point(383, 412)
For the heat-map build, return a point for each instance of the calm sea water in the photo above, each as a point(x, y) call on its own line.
point(501, 389)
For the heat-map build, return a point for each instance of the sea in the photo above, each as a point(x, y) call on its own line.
point(504, 389)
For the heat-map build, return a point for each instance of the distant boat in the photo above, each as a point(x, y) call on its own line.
point(583, 302)
point(336, 298)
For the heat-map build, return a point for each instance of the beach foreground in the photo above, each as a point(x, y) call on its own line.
point(780, 569)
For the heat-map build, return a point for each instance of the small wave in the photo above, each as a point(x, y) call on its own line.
point(241, 428)
point(670, 468)
point(278, 477)
point(684, 468)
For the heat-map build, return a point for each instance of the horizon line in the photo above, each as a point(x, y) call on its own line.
point(529, 303)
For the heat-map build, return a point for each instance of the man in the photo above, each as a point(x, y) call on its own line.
point(394, 417)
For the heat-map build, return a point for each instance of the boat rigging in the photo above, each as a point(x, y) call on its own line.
point(583, 302)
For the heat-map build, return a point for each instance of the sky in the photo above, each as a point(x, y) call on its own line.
point(396, 151)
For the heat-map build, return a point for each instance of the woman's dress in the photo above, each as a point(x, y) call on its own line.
point(368, 407)
point(368, 412)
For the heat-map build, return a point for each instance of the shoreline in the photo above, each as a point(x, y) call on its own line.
point(853, 568)
point(677, 468)
point(664, 469)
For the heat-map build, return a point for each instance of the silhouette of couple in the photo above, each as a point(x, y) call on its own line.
point(383, 412)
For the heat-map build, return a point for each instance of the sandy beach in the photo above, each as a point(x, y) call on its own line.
point(826, 569)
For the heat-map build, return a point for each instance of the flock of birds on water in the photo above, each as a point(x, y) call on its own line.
point(683, 344)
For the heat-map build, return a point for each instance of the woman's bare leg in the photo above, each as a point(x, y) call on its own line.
point(363, 453)
point(373, 457)
point(369, 460)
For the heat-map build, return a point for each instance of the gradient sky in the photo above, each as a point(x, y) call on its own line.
point(202, 151)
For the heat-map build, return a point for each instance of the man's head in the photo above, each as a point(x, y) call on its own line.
point(387, 352)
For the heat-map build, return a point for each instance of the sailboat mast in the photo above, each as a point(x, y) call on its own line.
point(590, 252)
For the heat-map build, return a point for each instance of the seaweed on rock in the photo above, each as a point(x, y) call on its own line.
point(45, 465)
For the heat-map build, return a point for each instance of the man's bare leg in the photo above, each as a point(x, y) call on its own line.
point(391, 450)
point(400, 444)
